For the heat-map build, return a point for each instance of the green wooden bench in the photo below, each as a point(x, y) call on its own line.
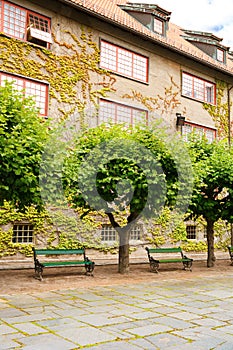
point(170, 252)
point(230, 249)
point(55, 253)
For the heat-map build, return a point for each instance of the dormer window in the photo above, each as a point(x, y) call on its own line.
point(151, 16)
point(208, 43)
point(158, 26)
point(220, 55)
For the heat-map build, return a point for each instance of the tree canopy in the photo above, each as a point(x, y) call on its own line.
point(213, 185)
point(126, 172)
point(22, 137)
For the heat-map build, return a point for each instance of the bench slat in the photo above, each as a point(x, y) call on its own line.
point(58, 251)
point(164, 250)
point(65, 263)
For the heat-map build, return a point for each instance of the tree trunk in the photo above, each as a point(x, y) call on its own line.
point(123, 262)
point(210, 242)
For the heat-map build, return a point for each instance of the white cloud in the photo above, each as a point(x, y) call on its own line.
point(215, 16)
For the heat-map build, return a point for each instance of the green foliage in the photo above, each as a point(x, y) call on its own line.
point(213, 168)
point(22, 137)
point(119, 163)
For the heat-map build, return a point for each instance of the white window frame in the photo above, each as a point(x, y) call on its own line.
point(109, 234)
point(22, 233)
point(191, 231)
point(123, 61)
point(158, 26)
point(220, 55)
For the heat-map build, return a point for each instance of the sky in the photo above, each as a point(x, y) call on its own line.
point(214, 16)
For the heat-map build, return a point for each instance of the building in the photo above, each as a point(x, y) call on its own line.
point(97, 59)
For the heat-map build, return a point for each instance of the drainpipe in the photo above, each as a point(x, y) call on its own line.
point(229, 138)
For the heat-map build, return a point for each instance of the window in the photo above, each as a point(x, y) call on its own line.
point(109, 234)
point(191, 231)
point(188, 128)
point(39, 91)
point(119, 113)
point(25, 25)
point(124, 62)
point(158, 26)
point(198, 88)
point(22, 233)
point(220, 55)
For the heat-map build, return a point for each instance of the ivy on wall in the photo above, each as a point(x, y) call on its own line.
point(219, 112)
point(70, 75)
point(164, 104)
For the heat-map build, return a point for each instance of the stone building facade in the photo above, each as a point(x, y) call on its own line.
point(95, 60)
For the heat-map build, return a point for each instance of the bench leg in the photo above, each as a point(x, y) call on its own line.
point(89, 268)
point(38, 270)
point(154, 265)
point(188, 265)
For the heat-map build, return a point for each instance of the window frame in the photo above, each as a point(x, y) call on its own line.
point(24, 89)
point(136, 231)
point(117, 64)
point(20, 18)
point(202, 130)
point(192, 235)
point(116, 106)
point(193, 89)
point(26, 236)
point(157, 20)
point(220, 55)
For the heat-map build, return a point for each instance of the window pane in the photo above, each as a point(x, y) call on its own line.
point(158, 26)
point(14, 21)
point(198, 88)
point(119, 113)
point(123, 61)
point(22, 233)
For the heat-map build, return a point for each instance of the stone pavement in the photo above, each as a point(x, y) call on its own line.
point(190, 314)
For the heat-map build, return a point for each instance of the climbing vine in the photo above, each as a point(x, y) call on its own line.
point(69, 74)
point(164, 104)
point(219, 112)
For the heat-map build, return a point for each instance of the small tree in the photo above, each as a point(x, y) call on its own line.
point(128, 173)
point(22, 135)
point(213, 188)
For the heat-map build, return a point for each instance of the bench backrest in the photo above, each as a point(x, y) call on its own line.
point(164, 250)
point(58, 252)
point(230, 248)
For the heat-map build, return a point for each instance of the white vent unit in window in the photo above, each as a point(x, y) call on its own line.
point(35, 35)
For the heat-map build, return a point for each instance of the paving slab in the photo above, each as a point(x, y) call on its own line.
point(160, 315)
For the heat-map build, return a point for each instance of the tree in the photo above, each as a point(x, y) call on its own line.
point(213, 186)
point(127, 172)
point(22, 136)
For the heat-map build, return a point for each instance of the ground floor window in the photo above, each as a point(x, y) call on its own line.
point(191, 231)
point(109, 234)
point(22, 233)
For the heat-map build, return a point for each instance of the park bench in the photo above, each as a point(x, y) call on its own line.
point(82, 260)
point(170, 258)
point(230, 249)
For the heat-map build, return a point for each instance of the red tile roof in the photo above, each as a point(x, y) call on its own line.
point(109, 10)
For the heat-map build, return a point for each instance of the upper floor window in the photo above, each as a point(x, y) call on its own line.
point(120, 113)
point(220, 55)
point(198, 88)
point(158, 26)
point(38, 90)
point(188, 128)
point(124, 62)
point(24, 24)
